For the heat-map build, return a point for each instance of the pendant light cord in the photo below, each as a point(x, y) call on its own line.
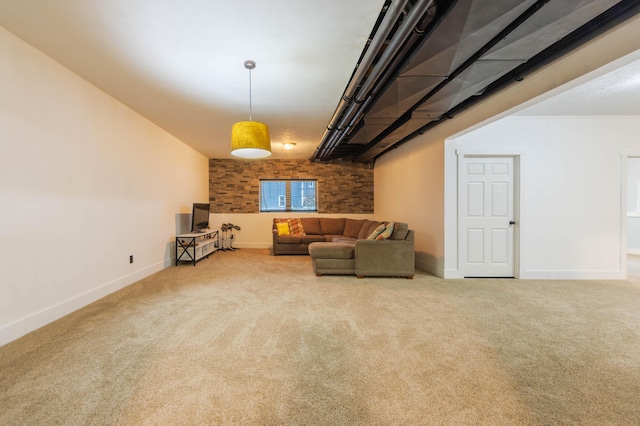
point(250, 65)
point(250, 95)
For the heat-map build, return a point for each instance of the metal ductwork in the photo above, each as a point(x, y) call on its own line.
point(427, 60)
point(397, 23)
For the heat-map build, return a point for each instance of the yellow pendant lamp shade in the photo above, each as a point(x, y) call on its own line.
point(250, 139)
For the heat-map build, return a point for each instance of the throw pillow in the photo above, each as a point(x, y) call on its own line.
point(283, 229)
point(388, 230)
point(400, 231)
point(367, 227)
point(295, 226)
point(376, 232)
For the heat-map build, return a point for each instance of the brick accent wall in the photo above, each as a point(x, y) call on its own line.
point(342, 187)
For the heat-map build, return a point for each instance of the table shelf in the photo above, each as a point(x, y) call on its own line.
point(195, 246)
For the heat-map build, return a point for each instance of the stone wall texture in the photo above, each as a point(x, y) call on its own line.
point(342, 187)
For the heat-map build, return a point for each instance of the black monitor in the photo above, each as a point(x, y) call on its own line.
point(200, 217)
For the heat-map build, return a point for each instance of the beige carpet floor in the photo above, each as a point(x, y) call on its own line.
point(248, 338)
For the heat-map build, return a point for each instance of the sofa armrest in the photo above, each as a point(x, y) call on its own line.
point(385, 258)
point(274, 248)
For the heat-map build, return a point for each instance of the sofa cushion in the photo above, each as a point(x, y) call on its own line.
point(334, 266)
point(311, 225)
point(343, 239)
point(352, 228)
point(374, 234)
point(331, 226)
point(367, 227)
point(331, 250)
point(290, 239)
point(388, 230)
point(295, 226)
point(308, 239)
point(283, 229)
point(400, 231)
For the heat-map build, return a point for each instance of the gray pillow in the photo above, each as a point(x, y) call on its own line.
point(400, 231)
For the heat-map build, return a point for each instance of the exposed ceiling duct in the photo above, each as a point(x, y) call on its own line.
point(428, 60)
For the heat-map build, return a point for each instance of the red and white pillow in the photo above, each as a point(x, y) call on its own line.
point(295, 226)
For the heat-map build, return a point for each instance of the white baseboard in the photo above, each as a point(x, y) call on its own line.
point(452, 273)
point(633, 250)
point(533, 274)
point(19, 328)
point(252, 245)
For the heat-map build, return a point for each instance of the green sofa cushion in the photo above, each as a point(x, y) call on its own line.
point(400, 231)
point(331, 250)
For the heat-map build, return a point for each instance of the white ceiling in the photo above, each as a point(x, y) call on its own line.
point(180, 63)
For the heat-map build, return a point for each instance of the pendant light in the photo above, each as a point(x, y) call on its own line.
point(250, 139)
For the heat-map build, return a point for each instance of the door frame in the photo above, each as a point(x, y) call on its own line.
point(518, 208)
point(624, 167)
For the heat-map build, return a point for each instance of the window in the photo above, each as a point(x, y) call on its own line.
point(288, 195)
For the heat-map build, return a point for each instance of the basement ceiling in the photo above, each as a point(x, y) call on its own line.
point(417, 62)
point(450, 56)
point(180, 63)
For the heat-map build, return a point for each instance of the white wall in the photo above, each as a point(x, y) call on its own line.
point(409, 188)
point(570, 179)
point(255, 229)
point(84, 183)
point(633, 207)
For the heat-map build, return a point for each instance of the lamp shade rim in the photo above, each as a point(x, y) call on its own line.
point(250, 153)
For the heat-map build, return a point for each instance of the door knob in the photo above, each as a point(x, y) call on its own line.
point(512, 222)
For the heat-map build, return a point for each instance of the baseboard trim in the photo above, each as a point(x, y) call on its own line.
point(633, 251)
point(252, 245)
point(452, 273)
point(34, 321)
point(534, 274)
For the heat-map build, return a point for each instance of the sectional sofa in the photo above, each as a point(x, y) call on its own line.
point(348, 246)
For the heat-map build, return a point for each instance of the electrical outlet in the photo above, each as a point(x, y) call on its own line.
point(131, 259)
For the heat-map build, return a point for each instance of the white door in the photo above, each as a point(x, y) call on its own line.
point(487, 217)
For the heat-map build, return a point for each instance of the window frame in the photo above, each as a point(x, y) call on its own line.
point(312, 184)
